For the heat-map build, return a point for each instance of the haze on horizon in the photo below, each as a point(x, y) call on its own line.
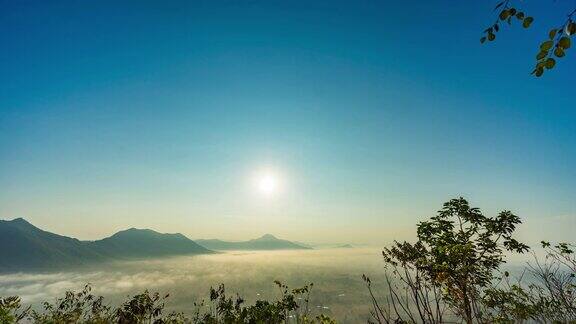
point(326, 122)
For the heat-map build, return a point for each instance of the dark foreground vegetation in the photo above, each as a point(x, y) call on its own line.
point(83, 307)
point(454, 272)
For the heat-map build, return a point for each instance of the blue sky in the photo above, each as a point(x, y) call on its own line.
point(157, 114)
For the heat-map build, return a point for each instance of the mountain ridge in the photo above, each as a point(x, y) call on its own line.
point(27, 247)
point(264, 242)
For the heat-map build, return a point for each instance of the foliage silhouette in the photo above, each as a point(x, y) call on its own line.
point(554, 47)
point(84, 307)
point(447, 270)
point(453, 274)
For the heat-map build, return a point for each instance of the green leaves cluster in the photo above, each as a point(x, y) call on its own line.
point(517, 304)
point(10, 310)
point(507, 14)
point(559, 39)
point(74, 307)
point(558, 42)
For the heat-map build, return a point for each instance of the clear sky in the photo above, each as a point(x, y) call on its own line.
point(369, 115)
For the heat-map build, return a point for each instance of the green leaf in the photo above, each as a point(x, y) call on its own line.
point(559, 52)
point(550, 62)
point(571, 28)
point(541, 55)
point(564, 42)
point(491, 36)
point(504, 14)
point(552, 33)
point(520, 15)
point(538, 71)
point(512, 11)
point(527, 22)
point(546, 45)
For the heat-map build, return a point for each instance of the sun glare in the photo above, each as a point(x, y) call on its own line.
point(267, 184)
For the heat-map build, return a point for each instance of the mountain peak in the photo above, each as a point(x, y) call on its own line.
point(138, 230)
point(268, 237)
point(265, 242)
point(20, 223)
point(20, 220)
point(146, 234)
point(132, 232)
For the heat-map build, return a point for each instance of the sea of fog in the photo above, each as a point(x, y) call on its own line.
point(336, 273)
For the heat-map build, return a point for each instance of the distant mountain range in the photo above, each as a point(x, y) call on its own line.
point(266, 242)
point(322, 246)
point(24, 247)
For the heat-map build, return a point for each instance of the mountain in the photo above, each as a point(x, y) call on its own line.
point(327, 245)
point(266, 242)
point(24, 247)
point(142, 243)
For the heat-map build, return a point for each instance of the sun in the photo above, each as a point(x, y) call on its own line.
point(267, 184)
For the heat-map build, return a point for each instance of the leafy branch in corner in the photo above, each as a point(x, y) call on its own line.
point(558, 42)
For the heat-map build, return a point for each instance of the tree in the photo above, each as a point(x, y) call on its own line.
point(559, 37)
point(450, 266)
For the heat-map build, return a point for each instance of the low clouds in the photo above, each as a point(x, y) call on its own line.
point(336, 274)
